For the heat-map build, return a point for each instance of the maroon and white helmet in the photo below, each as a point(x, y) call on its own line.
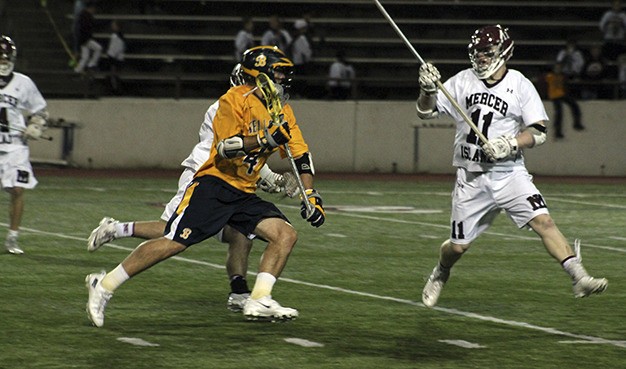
point(8, 55)
point(493, 45)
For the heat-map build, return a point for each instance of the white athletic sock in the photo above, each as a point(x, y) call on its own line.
point(574, 268)
point(13, 233)
point(263, 285)
point(124, 229)
point(115, 278)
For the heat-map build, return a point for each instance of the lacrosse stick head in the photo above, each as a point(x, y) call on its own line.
point(271, 95)
point(489, 48)
point(289, 185)
point(269, 60)
point(8, 55)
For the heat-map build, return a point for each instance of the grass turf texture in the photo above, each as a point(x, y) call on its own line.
point(356, 281)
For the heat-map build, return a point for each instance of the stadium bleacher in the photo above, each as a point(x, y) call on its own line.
point(183, 48)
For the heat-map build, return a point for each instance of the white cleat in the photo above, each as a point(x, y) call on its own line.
point(103, 233)
point(587, 286)
point(266, 309)
point(98, 298)
point(12, 247)
point(236, 301)
point(433, 286)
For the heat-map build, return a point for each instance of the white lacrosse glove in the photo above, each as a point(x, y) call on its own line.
point(33, 132)
point(500, 147)
point(35, 128)
point(429, 76)
point(270, 181)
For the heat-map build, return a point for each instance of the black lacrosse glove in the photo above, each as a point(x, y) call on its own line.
point(274, 135)
point(319, 215)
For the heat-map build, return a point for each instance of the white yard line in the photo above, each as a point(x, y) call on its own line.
point(548, 330)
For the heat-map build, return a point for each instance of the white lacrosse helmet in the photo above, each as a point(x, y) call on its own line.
point(8, 55)
point(236, 78)
point(489, 48)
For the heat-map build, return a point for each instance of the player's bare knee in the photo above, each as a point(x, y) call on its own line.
point(455, 247)
point(542, 223)
point(288, 237)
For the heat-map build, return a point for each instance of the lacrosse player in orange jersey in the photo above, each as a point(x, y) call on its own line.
point(239, 245)
point(222, 192)
point(491, 176)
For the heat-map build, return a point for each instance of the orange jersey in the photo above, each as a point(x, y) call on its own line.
point(244, 114)
point(556, 85)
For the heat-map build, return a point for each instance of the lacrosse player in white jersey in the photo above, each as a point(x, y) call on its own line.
point(239, 248)
point(18, 95)
point(491, 176)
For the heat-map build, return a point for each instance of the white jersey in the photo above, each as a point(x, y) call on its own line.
point(504, 108)
point(202, 150)
point(19, 95)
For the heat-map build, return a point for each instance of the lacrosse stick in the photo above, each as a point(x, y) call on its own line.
point(456, 105)
point(274, 107)
point(22, 131)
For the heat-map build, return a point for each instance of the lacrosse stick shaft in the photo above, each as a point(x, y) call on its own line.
point(294, 169)
point(266, 86)
point(456, 105)
point(22, 131)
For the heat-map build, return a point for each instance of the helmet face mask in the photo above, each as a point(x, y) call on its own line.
point(269, 60)
point(489, 48)
point(8, 55)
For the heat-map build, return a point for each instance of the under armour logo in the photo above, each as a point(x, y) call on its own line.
point(509, 90)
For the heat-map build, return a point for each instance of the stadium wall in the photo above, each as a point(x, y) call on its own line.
point(344, 136)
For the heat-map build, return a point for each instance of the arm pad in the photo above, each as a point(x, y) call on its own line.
point(539, 133)
point(305, 164)
point(231, 147)
point(428, 114)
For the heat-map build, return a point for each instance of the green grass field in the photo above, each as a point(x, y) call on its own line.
point(356, 281)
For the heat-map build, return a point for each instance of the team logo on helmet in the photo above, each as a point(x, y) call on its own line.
point(267, 59)
point(8, 55)
point(489, 48)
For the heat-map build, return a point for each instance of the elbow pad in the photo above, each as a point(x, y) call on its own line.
point(428, 114)
point(231, 147)
point(539, 134)
point(304, 164)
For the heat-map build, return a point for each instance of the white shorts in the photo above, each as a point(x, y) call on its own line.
point(478, 198)
point(15, 169)
point(183, 181)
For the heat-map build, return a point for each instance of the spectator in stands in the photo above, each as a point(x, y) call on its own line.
point(613, 27)
point(301, 54)
point(340, 78)
point(557, 92)
point(572, 59)
point(90, 49)
point(114, 60)
point(276, 35)
point(594, 72)
point(314, 32)
point(79, 5)
point(244, 39)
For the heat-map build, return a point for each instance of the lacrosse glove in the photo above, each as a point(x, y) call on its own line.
point(33, 132)
point(500, 147)
point(319, 215)
point(35, 128)
point(428, 77)
point(274, 135)
point(270, 182)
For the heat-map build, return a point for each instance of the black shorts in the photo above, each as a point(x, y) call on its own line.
point(209, 204)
